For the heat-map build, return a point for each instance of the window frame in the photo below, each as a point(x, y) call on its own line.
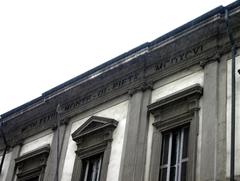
point(85, 169)
point(92, 138)
point(179, 160)
point(37, 167)
point(173, 111)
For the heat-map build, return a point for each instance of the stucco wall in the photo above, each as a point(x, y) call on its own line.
point(37, 141)
point(117, 112)
point(237, 141)
point(176, 85)
point(172, 85)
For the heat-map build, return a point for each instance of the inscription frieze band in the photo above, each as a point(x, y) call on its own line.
point(179, 58)
point(38, 122)
point(124, 82)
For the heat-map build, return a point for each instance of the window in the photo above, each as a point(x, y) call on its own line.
point(93, 141)
point(174, 156)
point(174, 144)
point(92, 168)
point(31, 166)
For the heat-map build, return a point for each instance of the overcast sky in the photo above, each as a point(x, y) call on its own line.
point(44, 43)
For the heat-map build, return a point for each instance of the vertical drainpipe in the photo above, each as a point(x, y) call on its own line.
point(233, 51)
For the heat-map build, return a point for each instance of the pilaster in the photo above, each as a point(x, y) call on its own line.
point(135, 139)
point(209, 122)
point(11, 169)
point(50, 172)
point(64, 148)
point(221, 130)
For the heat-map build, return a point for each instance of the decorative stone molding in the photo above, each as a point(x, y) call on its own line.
point(32, 165)
point(93, 126)
point(142, 87)
point(92, 138)
point(212, 58)
point(184, 102)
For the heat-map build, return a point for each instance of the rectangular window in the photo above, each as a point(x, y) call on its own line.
point(92, 168)
point(174, 156)
point(175, 136)
point(93, 139)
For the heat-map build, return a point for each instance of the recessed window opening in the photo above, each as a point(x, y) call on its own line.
point(174, 156)
point(92, 168)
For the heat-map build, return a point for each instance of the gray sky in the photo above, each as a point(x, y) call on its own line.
point(45, 43)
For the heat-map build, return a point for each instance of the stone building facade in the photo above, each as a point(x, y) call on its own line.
point(161, 111)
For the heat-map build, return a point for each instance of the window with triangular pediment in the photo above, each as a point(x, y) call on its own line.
point(93, 140)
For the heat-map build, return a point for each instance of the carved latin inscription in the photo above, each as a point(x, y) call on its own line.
point(117, 84)
point(126, 80)
point(179, 58)
point(38, 122)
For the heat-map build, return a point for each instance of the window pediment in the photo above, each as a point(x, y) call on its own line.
point(185, 96)
point(93, 139)
point(32, 165)
point(94, 125)
point(176, 109)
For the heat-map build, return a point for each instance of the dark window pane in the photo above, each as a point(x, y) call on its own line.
point(165, 149)
point(84, 166)
point(33, 179)
point(163, 174)
point(95, 169)
point(91, 168)
point(185, 143)
point(174, 148)
point(89, 173)
point(184, 171)
point(172, 174)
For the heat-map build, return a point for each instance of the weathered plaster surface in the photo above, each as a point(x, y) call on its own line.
point(237, 124)
point(5, 166)
point(36, 141)
point(176, 85)
point(117, 112)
